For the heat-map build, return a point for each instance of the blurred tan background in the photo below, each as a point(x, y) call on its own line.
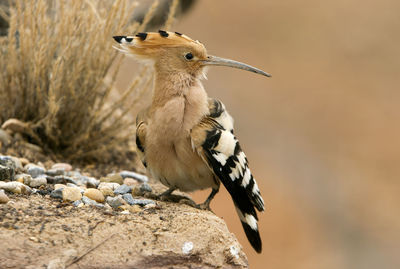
point(322, 135)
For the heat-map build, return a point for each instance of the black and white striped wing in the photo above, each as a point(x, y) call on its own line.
point(214, 140)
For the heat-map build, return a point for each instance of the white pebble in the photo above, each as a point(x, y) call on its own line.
point(187, 247)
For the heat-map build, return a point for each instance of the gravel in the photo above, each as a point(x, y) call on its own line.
point(123, 189)
point(138, 177)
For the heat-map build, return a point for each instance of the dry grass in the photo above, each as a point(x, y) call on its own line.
point(55, 76)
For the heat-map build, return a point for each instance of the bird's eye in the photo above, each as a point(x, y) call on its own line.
point(189, 56)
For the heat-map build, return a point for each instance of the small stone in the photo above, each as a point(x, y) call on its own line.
point(15, 187)
point(130, 181)
point(64, 179)
point(5, 138)
point(130, 208)
point(115, 202)
point(12, 162)
point(138, 177)
point(62, 166)
point(88, 201)
point(34, 239)
point(59, 186)
point(110, 185)
point(71, 194)
point(38, 181)
point(123, 189)
point(6, 173)
point(77, 203)
point(142, 202)
point(57, 193)
point(34, 170)
point(145, 187)
point(125, 212)
point(187, 247)
point(148, 206)
point(24, 161)
point(116, 178)
point(55, 172)
point(72, 185)
point(23, 178)
point(106, 191)
point(90, 182)
point(3, 197)
point(95, 195)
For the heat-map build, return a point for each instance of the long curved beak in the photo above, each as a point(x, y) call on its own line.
point(214, 60)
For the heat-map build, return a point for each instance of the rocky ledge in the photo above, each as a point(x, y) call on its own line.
point(56, 217)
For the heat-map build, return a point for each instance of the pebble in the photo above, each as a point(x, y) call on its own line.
point(138, 177)
point(116, 178)
point(55, 172)
point(57, 193)
point(123, 189)
point(88, 201)
point(94, 194)
point(130, 208)
point(110, 185)
point(142, 202)
point(130, 181)
point(6, 173)
point(187, 247)
point(3, 197)
point(90, 182)
point(37, 181)
point(34, 170)
point(141, 189)
point(107, 191)
point(11, 161)
point(115, 202)
point(23, 178)
point(62, 166)
point(24, 161)
point(77, 203)
point(59, 186)
point(5, 138)
point(71, 194)
point(64, 179)
point(15, 187)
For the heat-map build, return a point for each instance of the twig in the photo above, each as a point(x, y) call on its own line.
point(90, 250)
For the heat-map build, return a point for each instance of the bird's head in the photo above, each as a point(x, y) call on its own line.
point(174, 52)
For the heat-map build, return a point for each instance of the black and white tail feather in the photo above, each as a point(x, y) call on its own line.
point(223, 154)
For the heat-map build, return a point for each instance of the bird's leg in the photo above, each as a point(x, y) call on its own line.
point(167, 192)
point(206, 204)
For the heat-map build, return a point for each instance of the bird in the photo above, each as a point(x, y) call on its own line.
point(184, 138)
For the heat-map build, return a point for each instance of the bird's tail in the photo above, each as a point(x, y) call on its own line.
point(248, 217)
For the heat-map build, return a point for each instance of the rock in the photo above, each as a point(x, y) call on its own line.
point(57, 193)
point(110, 185)
point(95, 195)
point(65, 179)
point(123, 189)
point(115, 202)
point(77, 203)
point(106, 191)
point(88, 201)
point(141, 189)
point(24, 161)
point(23, 178)
point(116, 178)
point(138, 177)
point(71, 194)
point(59, 186)
point(90, 182)
point(6, 173)
point(187, 247)
point(130, 208)
point(130, 181)
point(72, 185)
point(38, 181)
point(3, 197)
point(5, 138)
point(34, 170)
point(15, 187)
point(62, 166)
point(142, 202)
point(55, 172)
point(11, 161)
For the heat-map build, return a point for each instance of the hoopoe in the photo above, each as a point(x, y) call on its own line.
point(184, 138)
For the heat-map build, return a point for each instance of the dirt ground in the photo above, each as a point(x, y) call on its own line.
point(40, 232)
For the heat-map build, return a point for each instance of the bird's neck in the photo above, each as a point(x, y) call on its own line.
point(180, 97)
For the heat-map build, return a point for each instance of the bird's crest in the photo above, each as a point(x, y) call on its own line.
point(145, 43)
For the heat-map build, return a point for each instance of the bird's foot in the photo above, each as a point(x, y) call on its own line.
point(190, 202)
